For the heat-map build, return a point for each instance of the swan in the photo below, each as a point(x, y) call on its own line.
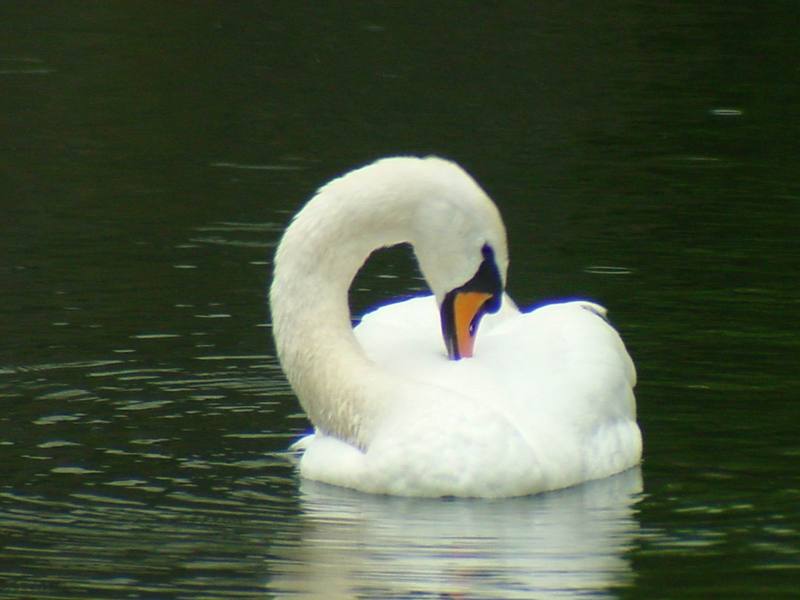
point(413, 402)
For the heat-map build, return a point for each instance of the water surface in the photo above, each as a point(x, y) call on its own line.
point(643, 156)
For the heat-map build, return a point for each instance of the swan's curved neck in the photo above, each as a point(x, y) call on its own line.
point(340, 389)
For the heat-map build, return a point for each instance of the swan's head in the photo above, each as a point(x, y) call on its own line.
point(460, 243)
point(455, 229)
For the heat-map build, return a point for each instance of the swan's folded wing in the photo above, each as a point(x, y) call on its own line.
point(567, 371)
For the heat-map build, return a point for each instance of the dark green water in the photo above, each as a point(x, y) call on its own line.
point(643, 155)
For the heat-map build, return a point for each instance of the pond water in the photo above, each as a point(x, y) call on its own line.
point(643, 156)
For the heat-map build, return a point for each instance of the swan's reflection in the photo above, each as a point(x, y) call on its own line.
point(560, 544)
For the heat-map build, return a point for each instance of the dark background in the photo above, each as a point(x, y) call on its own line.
point(643, 154)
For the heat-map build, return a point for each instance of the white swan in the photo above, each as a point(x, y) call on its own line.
point(545, 402)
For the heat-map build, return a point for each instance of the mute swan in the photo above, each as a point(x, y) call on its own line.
point(546, 401)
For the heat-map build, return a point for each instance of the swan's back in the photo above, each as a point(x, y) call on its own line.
point(547, 402)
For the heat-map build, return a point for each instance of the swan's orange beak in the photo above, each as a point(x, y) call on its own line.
point(461, 314)
point(467, 313)
point(463, 308)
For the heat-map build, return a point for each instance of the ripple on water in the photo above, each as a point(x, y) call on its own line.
point(607, 270)
point(140, 535)
point(232, 234)
point(141, 480)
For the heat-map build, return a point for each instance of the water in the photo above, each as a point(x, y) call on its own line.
point(642, 155)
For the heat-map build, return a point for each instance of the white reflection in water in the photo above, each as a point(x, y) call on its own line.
point(562, 544)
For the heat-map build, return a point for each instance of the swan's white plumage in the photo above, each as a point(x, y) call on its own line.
point(545, 403)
